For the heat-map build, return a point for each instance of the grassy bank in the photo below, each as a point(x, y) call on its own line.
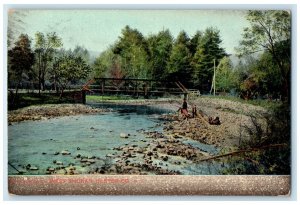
point(27, 99)
point(100, 98)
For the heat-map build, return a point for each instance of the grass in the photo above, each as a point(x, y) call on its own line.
point(27, 99)
point(109, 98)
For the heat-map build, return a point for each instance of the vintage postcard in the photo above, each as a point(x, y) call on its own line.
point(149, 102)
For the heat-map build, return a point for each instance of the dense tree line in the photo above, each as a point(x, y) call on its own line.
point(161, 57)
point(263, 69)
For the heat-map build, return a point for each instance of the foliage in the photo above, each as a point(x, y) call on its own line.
point(260, 78)
point(160, 47)
point(69, 69)
point(45, 46)
point(132, 47)
point(179, 65)
point(225, 76)
point(266, 130)
point(20, 60)
point(103, 63)
point(208, 49)
point(269, 31)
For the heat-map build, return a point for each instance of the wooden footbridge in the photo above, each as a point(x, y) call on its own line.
point(135, 87)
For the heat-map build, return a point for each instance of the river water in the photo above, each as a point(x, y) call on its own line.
point(36, 142)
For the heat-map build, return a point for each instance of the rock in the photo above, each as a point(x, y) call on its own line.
point(51, 169)
point(78, 155)
point(149, 153)
point(78, 148)
point(65, 152)
point(165, 158)
point(59, 163)
point(33, 168)
point(84, 160)
point(44, 153)
point(56, 153)
point(72, 168)
point(123, 135)
point(91, 161)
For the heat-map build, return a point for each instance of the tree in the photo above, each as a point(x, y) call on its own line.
point(160, 47)
point(208, 50)
point(179, 67)
point(270, 31)
point(195, 41)
point(132, 47)
point(20, 60)
point(103, 63)
point(69, 69)
point(44, 49)
point(225, 76)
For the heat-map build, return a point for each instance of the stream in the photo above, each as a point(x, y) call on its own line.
point(40, 143)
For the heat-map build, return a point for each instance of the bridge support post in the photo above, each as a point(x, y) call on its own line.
point(83, 96)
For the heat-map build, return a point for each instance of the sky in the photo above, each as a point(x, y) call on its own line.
point(96, 30)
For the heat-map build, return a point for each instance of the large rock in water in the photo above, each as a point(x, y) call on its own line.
point(33, 168)
point(65, 152)
point(123, 135)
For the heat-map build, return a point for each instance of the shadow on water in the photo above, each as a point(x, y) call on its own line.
point(127, 109)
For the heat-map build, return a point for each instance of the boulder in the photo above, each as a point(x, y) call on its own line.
point(59, 163)
point(124, 135)
point(33, 168)
point(65, 152)
point(84, 160)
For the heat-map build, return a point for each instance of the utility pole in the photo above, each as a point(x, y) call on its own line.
point(214, 77)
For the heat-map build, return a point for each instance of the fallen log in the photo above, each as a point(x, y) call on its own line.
point(254, 149)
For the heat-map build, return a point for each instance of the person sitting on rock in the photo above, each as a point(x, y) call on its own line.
point(184, 110)
point(216, 121)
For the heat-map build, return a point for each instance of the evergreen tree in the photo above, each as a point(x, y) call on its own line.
point(160, 47)
point(133, 49)
point(208, 50)
point(179, 65)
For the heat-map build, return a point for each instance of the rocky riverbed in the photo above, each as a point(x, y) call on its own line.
point(164, 152)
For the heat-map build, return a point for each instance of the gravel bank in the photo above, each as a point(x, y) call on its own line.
point(43, 112)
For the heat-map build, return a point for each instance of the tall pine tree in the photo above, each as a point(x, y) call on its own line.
point(179, 67)
point(208, 49)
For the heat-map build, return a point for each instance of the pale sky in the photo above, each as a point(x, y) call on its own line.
point(98, 29)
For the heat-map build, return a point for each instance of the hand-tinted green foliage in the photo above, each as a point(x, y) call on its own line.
point(179, 67)
point(132, 47)
point(271, 134)
point(20, 61)
point(103, 63)
point(270, 31)
point(160, 47)
point(69, 69)
point(208, 49)
point(225, 76)
point(45, 47)
point(260, 77)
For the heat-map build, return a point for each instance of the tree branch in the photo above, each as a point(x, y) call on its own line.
point(254, 149)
